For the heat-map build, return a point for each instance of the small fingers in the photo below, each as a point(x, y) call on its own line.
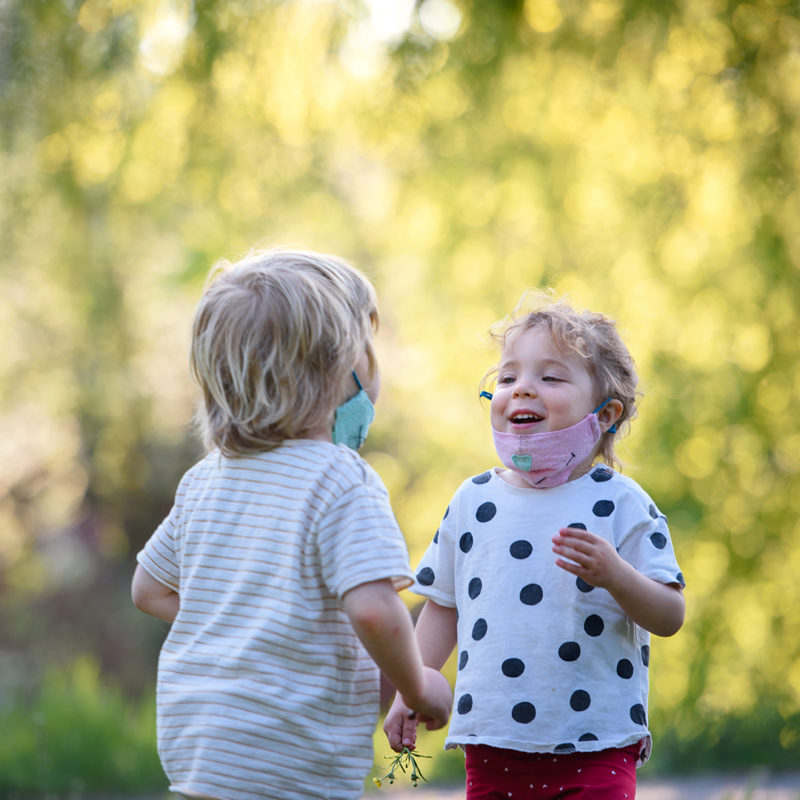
point(431, 723)
point(409, 732)
point(569, 566)
point(571, 553)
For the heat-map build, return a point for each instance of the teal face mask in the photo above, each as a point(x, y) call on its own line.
point(353, 418)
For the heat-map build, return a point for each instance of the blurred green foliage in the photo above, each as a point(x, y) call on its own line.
point(75, 736)
point(642, 158)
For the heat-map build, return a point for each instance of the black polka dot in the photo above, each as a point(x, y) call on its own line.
point(484, 478)
point(583, 586)
point(580, 700)
point(462, 659)
point(486, 511)
point(464, 705)
point(653, 511)
point(569, 651)
point(587, 737)
point(579, 525)
point(531, 594)
point(425, 576)
point(566, 747)
point(479, 629)
point(679, 578)
point(520, 549)
point(513, 667)
point(638, 714)
point(658, 540)
point(646, 655)
point(594, 625)
point(624, 668)
point(601, 475)
point(474, 588)
point(465, 542)
point(603, 508)
point(523, 712)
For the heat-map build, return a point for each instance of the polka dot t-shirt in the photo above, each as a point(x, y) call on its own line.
point(546, 662)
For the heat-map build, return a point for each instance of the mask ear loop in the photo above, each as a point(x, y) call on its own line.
point(360, 387)
point(613, 428)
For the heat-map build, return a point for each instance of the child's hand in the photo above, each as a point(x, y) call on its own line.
point(590, 557)
point(435, 711)
point(400, 725)
point(401, 722)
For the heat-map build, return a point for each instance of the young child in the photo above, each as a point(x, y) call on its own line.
point(553, 651)
point(279, 563)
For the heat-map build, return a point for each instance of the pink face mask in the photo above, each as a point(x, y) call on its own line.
point(548, 459)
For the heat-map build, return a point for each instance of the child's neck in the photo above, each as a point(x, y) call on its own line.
point(515, 479)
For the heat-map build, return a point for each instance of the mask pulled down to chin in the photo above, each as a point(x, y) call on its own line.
point(548, 459)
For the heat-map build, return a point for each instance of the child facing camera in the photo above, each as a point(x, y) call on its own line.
point(549, 575)
point(280, 561)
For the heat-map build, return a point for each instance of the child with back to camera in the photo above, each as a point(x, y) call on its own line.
point(280, 561)
point(553, 651)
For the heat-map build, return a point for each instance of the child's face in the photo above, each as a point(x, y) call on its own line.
point(540, 388)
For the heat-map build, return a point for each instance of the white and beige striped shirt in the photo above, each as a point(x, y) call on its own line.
point(264, 690)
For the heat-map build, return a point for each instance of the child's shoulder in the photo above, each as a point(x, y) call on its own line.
point(473, 482)
point(292, 457)
point(335, 464)
point(619, 487)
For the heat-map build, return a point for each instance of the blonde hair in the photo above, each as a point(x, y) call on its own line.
point(274, 341)
point(591, 335)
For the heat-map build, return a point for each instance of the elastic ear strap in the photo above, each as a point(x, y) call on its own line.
point(358, 382)
point(613, 428)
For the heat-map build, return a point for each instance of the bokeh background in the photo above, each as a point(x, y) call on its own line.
point(642, 158)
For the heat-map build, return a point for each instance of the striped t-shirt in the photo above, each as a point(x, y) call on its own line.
point(264, 690)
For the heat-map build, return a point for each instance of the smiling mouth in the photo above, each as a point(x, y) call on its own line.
point(525, 419)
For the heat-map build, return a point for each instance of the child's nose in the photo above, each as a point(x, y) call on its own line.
point(524, 388)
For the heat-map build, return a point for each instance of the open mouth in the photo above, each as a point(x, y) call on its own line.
point(525, 419)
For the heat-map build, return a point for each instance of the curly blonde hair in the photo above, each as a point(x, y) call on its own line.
point(591, 335)
point(274, 340)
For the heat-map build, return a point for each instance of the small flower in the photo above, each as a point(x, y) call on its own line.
point(406, 759)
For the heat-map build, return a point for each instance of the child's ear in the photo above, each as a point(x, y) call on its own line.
point(609, 414)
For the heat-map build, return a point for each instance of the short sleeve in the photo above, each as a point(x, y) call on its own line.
point(160, 555)
point(359, 540)
point(646, 542)
point(435, 576)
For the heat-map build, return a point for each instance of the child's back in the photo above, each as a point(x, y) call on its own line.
point(261, 656)
point(278, 562)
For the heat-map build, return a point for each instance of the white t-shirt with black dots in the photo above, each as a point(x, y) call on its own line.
point(264, 689)
point(546, 662)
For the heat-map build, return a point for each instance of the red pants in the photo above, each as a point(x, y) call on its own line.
point(495, 774)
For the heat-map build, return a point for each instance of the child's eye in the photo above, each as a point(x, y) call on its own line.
point(552, 379)
point(506, 379)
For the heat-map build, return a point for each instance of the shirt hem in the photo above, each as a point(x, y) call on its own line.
point(646, 740)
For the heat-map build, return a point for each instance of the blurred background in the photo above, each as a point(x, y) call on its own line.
point(642, 158)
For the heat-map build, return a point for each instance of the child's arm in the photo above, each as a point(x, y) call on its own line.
point(153, 597)
point(383, 624)
point(657, 607)
point(436, 636)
